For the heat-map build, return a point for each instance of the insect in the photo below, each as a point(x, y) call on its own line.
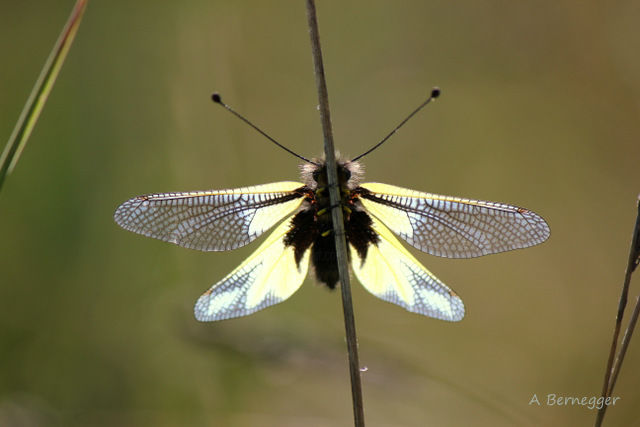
point(374, 214)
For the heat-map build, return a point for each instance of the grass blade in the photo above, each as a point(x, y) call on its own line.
point(40, 92)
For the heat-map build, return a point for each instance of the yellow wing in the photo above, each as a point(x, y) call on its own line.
point(268, 276)
point(391, 273)
point(215, 220)
point(453, 227)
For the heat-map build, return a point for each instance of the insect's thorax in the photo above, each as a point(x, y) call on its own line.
point(321, 198)
point(312, 227)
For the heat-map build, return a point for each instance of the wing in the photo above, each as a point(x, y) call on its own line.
point(267, 277)
point(453, 227)
point(391, 273)
point(216, 220)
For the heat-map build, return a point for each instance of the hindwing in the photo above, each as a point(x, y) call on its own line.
point(391, 273)
point(268, 276)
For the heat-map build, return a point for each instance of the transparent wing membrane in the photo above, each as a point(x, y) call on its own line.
point(391, 273)
point(453, 227)
point(216, 220)
point(266, 277)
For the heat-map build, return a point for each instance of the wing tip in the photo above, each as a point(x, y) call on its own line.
point(124, 211)
point(455, 313)
point(540, 227)
point(201, 309)
point(457, 309)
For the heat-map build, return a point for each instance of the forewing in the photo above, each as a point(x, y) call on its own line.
point(391, 273)
point(453, 227)
point(216, 220)
point(268, 276)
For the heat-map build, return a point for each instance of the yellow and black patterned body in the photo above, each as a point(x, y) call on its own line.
point(312, 226)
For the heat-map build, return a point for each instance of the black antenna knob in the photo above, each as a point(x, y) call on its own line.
point(435, 92)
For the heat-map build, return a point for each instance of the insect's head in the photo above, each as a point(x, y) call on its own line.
point(314, 175)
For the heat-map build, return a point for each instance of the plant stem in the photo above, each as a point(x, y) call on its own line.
point(632, 263)
point(40, 92)
point(336, 215)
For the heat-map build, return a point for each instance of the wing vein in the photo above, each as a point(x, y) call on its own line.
point(453, 227)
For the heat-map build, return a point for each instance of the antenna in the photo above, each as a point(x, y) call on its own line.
point(218, 100)
point(435, 92)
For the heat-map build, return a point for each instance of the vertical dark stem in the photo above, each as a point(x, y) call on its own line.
point(336, 215)
point(624, 345)
point(632, 263)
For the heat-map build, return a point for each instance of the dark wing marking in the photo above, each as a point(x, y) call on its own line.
point(216, 220)
point(453, 227)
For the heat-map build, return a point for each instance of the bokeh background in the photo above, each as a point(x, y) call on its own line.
point(540, 108)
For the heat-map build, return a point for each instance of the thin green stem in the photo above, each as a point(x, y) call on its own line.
point(40, 93)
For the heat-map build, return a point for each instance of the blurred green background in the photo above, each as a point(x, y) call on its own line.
point(540, 108)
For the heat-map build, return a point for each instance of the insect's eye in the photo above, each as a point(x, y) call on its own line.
point(315, 175)
point(347, 174)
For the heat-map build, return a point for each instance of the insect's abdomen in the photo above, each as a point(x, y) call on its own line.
point(312, 227)
point(325, 260)
point(309, 230)
point(312, 231)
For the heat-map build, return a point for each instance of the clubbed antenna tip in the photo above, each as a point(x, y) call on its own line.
point(435, 92)
point(218, 100)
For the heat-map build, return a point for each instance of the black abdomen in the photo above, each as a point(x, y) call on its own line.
point(312, 227)
point(308, 230)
